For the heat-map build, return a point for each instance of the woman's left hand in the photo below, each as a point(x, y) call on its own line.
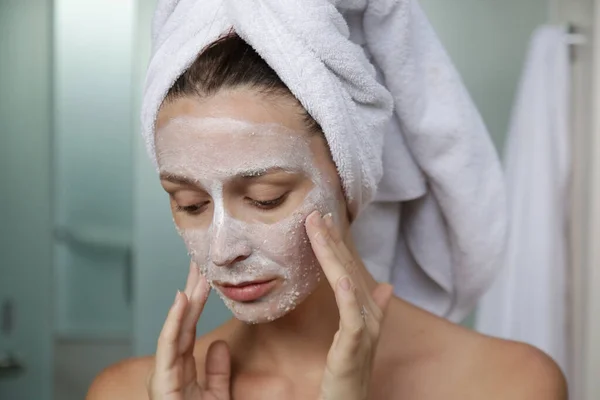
point(347, 374)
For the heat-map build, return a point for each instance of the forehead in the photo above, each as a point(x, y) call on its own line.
point(227, 146)
point(238, 104)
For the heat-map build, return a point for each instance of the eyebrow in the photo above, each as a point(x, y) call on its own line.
point(257, 173)
point(246, 174)
point(174, 178)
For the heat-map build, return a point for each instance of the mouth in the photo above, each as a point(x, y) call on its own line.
point(246, 291)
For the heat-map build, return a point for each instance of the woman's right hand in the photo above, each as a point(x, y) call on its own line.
point(174, 376)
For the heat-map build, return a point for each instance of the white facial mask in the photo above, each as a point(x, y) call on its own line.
point(212, 151)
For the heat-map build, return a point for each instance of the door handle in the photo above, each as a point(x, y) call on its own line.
point(10, 366)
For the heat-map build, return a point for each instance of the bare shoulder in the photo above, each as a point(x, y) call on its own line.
point(445, 360)
point(127, 379)
point(518, 371)
point(124, 380)
point(474, 366)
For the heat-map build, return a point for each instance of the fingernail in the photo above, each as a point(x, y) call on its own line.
point(316, 219)
point(320, 239)
point(177, 297)
point(328, 221)
point(345, 283)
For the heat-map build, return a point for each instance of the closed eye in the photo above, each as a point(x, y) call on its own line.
point(193, 209)
point(268, 204)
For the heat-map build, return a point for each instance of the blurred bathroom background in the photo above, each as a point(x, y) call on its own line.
point(89, 259)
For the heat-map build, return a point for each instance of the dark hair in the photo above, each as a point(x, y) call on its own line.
point(227, 63)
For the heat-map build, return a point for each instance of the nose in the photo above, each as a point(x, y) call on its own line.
point(228, 246)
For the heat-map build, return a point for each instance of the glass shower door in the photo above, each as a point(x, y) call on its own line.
point(93, 166)
point(93, 125)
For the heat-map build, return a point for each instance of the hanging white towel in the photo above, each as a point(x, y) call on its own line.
point(528, 301)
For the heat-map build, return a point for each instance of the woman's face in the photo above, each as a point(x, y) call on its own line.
point(243, 173)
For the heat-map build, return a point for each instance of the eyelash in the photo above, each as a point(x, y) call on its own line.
point(269, 204)
point(196, 209)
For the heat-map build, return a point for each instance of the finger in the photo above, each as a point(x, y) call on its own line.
point(218, 370)
point(197, 300)
point(382, 295)
point(330, 225)
point(339, 248)
point(352, 324)
point(320, 241)
point(373, 310)
point(337, 261)
point(192, 279)
point(167, 349)
point(349, 262)
point(334, 262)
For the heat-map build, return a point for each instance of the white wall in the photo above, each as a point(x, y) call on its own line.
point(591, 342)
point(25, 205)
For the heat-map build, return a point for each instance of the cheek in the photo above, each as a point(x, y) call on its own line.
point(184, 221)
point(197, 242)
point(285, 242)
point(179, 218)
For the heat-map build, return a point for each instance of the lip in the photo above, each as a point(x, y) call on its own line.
point(247, 291)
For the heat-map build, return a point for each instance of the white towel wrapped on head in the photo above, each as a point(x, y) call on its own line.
point(418, 168)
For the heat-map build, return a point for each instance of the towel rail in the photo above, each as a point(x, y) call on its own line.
point(574, 36)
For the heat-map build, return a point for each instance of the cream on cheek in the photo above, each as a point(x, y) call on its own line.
point(232, 251)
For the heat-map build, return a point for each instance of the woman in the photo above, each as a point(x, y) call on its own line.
point(259, 203)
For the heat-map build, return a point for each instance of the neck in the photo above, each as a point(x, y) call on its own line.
point(301, 337)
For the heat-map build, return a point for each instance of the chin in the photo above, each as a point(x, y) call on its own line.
point(259, 318)
point(268, 309)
